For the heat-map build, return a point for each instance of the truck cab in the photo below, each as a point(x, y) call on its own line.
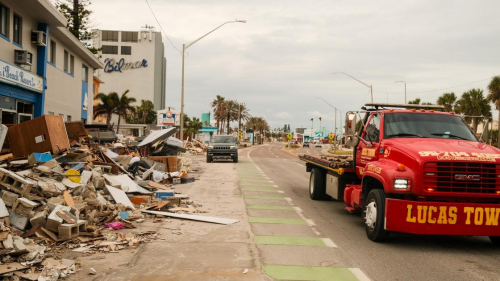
point(415, 169)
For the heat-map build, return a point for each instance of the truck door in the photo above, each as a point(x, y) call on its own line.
point(367, 153)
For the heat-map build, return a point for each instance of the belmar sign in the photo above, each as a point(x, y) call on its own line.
point(111, 65)
point(18, 76)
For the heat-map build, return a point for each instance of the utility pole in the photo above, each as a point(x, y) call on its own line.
point(320, 129)
point(76, 20)
point(239, 117)
point(312, 128)
point(405, 87)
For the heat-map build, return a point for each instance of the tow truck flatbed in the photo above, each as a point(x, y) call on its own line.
point(338, 164)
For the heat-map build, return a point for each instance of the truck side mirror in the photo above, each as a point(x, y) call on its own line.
point(350, 124)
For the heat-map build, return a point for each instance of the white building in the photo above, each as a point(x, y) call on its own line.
point(134, 61)
point(44, 69)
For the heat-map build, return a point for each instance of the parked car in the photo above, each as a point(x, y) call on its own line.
point(305, 144)
point(317, 144)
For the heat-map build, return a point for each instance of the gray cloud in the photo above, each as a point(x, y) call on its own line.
point(284, 57)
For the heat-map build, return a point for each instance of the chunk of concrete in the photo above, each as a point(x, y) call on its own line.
point(39, 219)
point(55, 201)
point(19, 243)
point(17, 221)
point(68, 231)
point(9, 198)
point(23, 206)
point(3, 210)
point(9, 242)
point(53, 220)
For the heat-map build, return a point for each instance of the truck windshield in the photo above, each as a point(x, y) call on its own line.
point(426, 125)
point(222, 139)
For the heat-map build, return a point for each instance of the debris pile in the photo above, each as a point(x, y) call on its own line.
point(60, 190)
point(196, 147)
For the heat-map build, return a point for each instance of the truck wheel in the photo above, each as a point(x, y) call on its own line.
point(374, 216)
point(209, 159)
point(495, 240)
point(235, 159)
point(317, 184)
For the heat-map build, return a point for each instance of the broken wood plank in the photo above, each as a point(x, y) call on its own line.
point(161, 205)
point(67, 216)
point(9, 267)
point(194, 217)
point(68, 199)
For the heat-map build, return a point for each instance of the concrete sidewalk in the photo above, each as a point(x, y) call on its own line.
point(190, 250)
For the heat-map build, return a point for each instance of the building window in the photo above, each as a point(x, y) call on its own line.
point(109, 50)
point(110, 36)
point(66, 60)
point(51, 113)
point(128, 36)
point(18, 29)
point(52, 56)
point(85, 73)
point(72, 64)
point(126, 50)
point(62, 115)
point(4, 20)
point(68, 118)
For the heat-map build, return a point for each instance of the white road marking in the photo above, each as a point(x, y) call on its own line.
point(275, 186)
point(315, 231)
point(298, 210)
point(359, 274)
point(289, 200)
point(310, 222)
point(301, 165)
point(329, 243)
point(281, 191)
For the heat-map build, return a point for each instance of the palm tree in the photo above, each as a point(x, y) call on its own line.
point(447, 100)
point(217, 105)
point(253, 122)
point(194, 126)
point(494, 97)
point(262, 126)
point(473, 104)
point(230, 113)
point(415, 101)
point(146, 109)
point(107, 105)
point(124, 105)
point(243, 114)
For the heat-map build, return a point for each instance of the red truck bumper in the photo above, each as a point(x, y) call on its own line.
point(442, 218)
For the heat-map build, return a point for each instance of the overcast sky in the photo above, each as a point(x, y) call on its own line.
point(283, 58)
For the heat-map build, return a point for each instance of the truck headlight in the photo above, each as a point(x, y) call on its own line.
point(210, 147)
point(400, 184)
point(232, 147)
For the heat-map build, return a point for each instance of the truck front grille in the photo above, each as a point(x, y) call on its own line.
point(465, 177)
point(222, 147)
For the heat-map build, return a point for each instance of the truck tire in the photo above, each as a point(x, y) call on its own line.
point(374, 213)
point(495, 240)
point(317, 184)
point(209, 159)
point(235, 159)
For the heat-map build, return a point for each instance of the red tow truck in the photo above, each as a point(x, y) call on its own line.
point(414, 169)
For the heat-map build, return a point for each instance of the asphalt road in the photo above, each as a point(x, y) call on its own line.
point(403, 257)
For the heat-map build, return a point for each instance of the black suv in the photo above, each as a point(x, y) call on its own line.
point(222, 147)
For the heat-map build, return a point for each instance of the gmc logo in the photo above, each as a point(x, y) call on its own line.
point(461, 177)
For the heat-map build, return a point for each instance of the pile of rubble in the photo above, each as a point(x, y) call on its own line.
point(58, 190)
point(196, 147)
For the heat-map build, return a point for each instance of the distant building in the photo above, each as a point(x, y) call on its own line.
point(134, 61)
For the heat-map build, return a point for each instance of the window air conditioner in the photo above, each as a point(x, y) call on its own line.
point(23, 57)
point(38, 38)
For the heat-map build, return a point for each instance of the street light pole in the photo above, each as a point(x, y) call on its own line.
point(320, 130)
point(369, 86)
point(405, 87)
point(312, 128)
point(184, 47)
point(334, 114)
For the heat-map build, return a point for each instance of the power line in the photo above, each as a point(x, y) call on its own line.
point(428, 91)
point(161, 28)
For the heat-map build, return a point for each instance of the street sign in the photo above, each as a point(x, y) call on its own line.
point(289, 136)
point(330, 141)
point(331, 137)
